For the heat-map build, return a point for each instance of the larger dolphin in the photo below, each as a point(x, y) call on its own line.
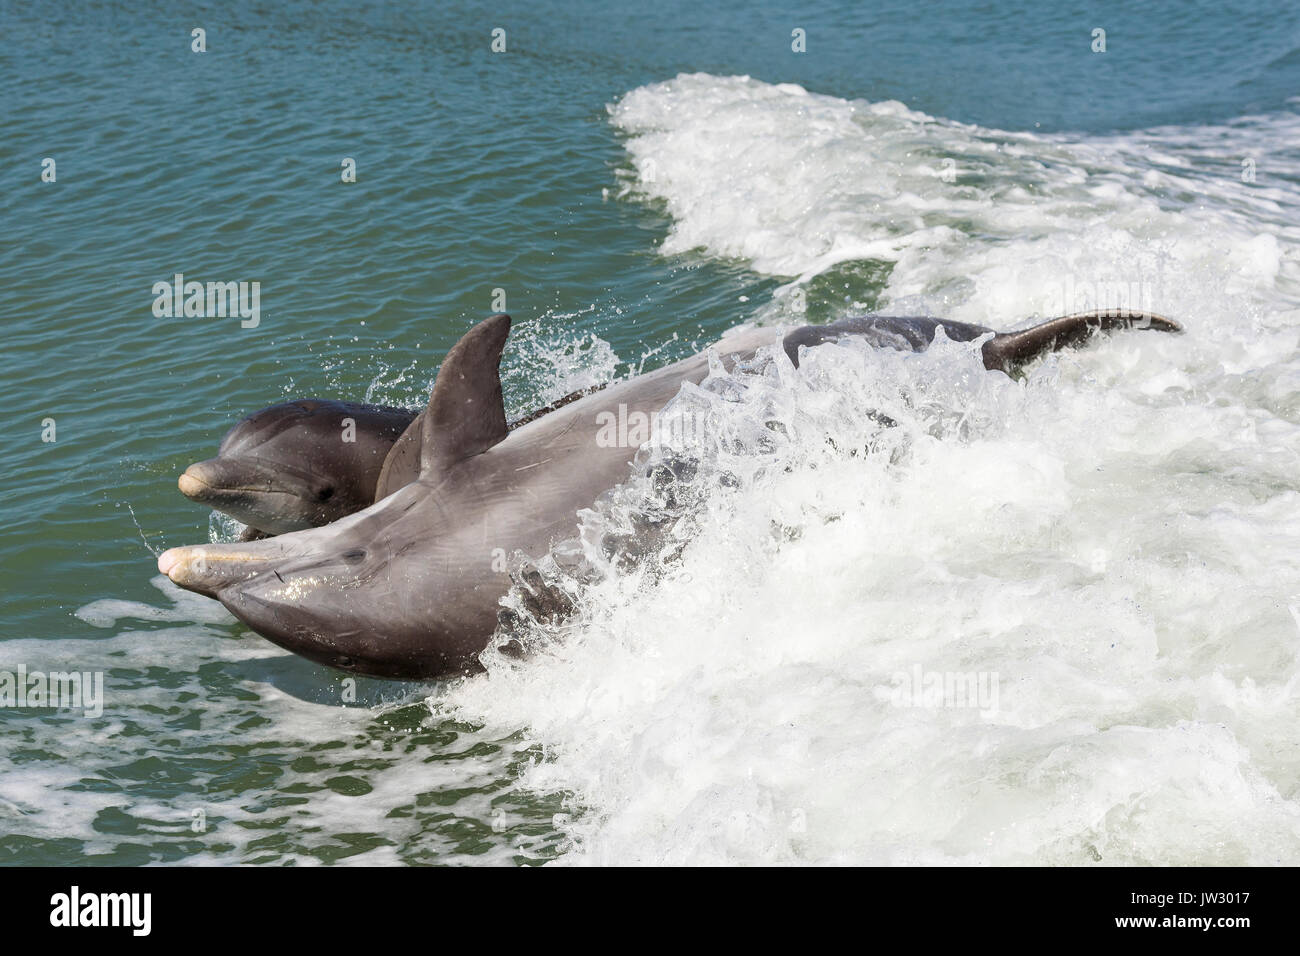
point(409, 587)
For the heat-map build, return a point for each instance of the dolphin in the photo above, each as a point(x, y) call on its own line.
point(306, 463)
point(298, 464)
point(410, 586)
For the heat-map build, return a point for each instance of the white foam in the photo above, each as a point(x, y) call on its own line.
point(796, 182)
point(1115, 538)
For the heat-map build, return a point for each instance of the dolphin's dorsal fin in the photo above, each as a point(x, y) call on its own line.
point(1007, 350)
point(466, 414)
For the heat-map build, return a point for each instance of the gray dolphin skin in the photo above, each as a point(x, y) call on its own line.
point(306, 463)
point(407, 588)
point(297, 465)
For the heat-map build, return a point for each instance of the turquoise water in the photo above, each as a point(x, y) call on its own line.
point(626, 223)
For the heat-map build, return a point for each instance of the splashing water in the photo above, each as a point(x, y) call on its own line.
point(1107, 547)
point(889, 608)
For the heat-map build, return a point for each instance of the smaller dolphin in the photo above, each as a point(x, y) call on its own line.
point(297, 465)
point(291, 466)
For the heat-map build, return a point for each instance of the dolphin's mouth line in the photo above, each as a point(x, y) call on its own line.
point(186, 483)
point(225, 476)
point(206, 569)
point(181, 556)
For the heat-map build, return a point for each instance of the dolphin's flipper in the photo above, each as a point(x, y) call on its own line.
point(1008, 350)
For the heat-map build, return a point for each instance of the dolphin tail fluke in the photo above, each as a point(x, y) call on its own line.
point(1007, 351)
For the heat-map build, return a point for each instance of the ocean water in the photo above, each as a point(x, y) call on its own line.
point(1107, 548)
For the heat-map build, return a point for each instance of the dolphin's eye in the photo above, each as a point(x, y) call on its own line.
point(353, 555)
point(325, 494)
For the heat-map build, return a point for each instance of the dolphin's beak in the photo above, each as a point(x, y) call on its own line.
point(205, 480)
point(208, 568)
point(191, 483)
point(205, 569)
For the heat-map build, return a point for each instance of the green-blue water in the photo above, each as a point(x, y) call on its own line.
point(476, 171)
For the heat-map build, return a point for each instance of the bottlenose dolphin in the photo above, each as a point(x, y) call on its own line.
point(298, 464)
point(410, 586)
point(306, 463)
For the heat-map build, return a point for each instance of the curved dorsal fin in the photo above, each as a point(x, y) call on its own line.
point(465, 416)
